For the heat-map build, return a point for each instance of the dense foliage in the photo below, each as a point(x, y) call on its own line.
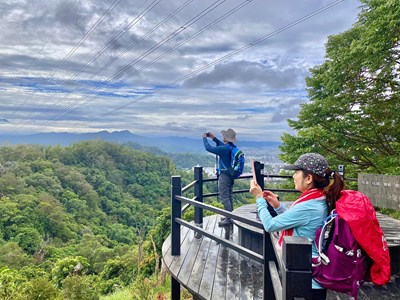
point(85, 220)
point(83, 210)
point(184, 161)
point(354, 107)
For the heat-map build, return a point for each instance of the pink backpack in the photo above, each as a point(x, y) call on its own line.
point(341, 264)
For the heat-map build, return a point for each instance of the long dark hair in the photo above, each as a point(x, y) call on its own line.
point(332, 187)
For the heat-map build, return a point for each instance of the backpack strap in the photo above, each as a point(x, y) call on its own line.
point(332, 216)
point(230, 147)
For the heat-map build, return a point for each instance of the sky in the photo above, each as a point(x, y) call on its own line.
point(162, 67)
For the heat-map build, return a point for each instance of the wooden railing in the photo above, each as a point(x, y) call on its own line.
point(293, 262)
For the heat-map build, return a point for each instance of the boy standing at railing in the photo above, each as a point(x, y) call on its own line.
point(225, 180)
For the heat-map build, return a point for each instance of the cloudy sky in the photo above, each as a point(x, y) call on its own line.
point(161, 67)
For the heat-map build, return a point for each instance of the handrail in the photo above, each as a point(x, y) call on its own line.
point(273, 288)
point(242, 250)
point(184, 189)
point(221, 212)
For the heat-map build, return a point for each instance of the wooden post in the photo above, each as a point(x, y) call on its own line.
point(175, 289)
point(198, 193)
point(269, 255)
point(341, 170)
point(176, 212)
point(296, 278)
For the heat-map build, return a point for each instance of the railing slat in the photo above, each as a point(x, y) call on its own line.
point(220, 211)
point(190, 185)
point(253, 255)
point(276, 281)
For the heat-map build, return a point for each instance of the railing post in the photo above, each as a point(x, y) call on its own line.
point(198, 193)
point(341, 170)
point(176, 212)
point(269, 255)
point(296, 278)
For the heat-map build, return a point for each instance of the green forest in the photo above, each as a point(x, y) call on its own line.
point(83, 221)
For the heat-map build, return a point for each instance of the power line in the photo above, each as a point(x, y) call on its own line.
point(124, 30)
point(106, 47)
point(217, 61)
point(52, 34)
point(72, 51)
point(152, 49)
point(199, 70)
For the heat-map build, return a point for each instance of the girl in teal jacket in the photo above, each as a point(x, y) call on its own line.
point(306, 214)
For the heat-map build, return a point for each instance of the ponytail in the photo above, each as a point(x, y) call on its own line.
point(333, 190)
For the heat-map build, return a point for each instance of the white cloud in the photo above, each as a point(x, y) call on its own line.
point(62, 72)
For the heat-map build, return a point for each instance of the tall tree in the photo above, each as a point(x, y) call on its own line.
point(353, 110)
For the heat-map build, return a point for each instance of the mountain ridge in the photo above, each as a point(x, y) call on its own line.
point(170, 144)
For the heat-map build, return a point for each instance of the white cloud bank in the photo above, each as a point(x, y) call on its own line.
point(155, 67)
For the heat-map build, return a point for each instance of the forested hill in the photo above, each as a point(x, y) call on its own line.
point(82, 209)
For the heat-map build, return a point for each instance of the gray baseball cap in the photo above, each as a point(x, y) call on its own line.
point(311, 162)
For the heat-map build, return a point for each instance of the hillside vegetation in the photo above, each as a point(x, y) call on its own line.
point(83, 221)
point(83, 210)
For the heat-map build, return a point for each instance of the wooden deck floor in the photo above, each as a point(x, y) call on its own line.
point(212, 271)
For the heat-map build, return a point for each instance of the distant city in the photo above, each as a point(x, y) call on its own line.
point(266, 155)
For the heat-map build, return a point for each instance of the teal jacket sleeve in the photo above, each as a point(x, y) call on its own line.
point(294, 217)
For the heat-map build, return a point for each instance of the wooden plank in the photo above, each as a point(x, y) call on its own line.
point(233, 276)
point(389, 291)
point(220, 278)
point(207, 281)
point(247, 240)
point(276, 281)
point(257, 243)
point(374, 292)
point(198, 267)
point(193, 252)
point(179, 259)
point(245, 280)
point(166, 249)
point(278, 251)
point(340, 296)
point(257, 278)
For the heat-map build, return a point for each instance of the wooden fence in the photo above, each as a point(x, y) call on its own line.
point(382, 190)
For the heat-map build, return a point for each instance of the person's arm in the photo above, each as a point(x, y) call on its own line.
point(218, 142)
point(219, 150)
point(294, 217)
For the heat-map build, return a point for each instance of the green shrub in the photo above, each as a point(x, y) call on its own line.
point(40, 289)
point(80, 288)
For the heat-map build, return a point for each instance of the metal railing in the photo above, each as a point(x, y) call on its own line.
point(294, 263)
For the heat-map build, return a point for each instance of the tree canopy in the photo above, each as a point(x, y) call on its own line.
point(353, 109)
point(83, 220)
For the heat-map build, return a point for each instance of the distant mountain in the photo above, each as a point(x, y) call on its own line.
point(166, 144)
